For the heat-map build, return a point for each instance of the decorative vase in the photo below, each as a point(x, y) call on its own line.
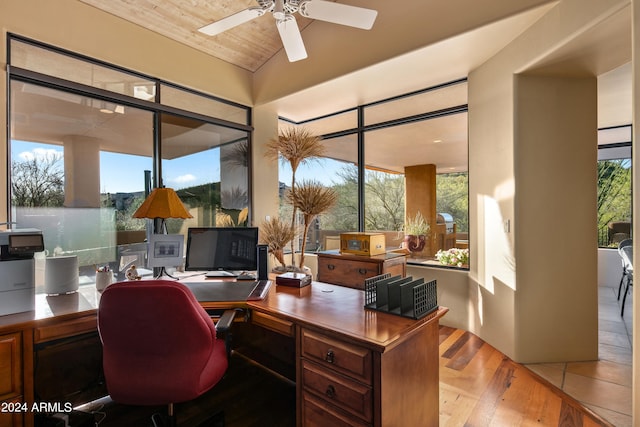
point(415, 243)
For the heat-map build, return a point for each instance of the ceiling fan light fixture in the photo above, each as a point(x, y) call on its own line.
point(291, 38)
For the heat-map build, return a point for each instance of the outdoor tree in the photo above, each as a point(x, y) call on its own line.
point(614, 192)
point(38, 181)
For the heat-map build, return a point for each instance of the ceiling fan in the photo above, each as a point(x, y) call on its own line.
point(283, 11)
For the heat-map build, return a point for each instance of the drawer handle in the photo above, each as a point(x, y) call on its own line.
point(331, 266)
point(330, 357)
point(362, 270)
point(331, 391)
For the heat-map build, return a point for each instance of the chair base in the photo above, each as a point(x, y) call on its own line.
point(166, 420)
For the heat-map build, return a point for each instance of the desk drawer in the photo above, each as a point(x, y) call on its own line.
point(273, 323)
point(341, 391)
point(343, 357)
point(66, 328)
point(316, 413)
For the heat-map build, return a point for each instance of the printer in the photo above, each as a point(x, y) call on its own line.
point(17, 269)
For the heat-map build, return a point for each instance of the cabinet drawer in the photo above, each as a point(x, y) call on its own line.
point(65, 329)
point(346, 272)
point(343, 357)
point(10, 365)
point(273, 323)
point(316, 413)
point(352, 396)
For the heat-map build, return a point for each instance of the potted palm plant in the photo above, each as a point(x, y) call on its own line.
point(416, 230)
point(295, 146)
point(311, 198)
point(276, 234)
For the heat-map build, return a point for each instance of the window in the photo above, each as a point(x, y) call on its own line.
point(208, 166)
point(614, 186)
point(414, 148)
point(85, 151)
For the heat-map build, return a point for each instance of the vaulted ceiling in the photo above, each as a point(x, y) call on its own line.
point(446, 39)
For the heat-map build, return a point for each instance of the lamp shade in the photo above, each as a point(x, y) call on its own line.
point(162, 203)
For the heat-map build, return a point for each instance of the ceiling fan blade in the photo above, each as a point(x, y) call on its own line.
point(291, 38)
point(232, 21)
point(337, 13)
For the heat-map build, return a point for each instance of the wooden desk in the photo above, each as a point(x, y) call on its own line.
point(354, 367)
point(357, 367)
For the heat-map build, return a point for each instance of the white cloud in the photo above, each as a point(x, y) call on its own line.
point(184, 179)
point(41, 153)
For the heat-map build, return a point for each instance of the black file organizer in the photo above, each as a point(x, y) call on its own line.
point(404, 297)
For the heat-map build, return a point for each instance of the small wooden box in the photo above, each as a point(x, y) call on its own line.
point(367, 244)
point(293, 280)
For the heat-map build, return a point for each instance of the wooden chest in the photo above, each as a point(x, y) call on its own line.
point(352, 270)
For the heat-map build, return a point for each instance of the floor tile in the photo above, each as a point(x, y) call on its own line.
point(615, 418)
point(599, 393)
point(616, 373)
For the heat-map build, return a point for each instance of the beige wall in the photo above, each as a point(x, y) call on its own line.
point(555, 158)
point(523, 296)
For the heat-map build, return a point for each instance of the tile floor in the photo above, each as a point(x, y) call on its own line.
point(604, 386)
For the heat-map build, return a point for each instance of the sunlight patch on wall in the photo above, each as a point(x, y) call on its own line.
point(495, 255)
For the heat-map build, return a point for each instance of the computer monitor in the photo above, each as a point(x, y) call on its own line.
point(223, 249)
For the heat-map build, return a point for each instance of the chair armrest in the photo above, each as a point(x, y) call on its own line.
point(224, 322)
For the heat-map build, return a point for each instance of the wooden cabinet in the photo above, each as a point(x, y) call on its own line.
point(336, 379)
point(352, 270)
point(343, 382)
point(11, 385)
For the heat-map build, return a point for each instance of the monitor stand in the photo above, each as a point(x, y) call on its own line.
point(220, 273)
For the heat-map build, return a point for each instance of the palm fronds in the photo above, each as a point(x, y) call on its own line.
point(276, 234)
point(312, 199)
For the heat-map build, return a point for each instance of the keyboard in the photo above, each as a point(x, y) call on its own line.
point(219, 273)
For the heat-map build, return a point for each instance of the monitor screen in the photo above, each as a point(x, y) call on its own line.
point(221, 248)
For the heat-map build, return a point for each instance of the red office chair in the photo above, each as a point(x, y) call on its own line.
point(159, 344)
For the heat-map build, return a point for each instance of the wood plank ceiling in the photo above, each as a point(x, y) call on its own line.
point(248, 46)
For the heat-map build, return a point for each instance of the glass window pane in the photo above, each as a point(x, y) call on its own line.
point(92, 163)
point(334, 123)
point(207, 165)
point(56, 64)
point(417, 172)
point(425, 102)
point(202, 104)
point(614, 201)
point(337, 170)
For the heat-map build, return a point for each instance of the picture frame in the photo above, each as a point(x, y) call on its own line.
point(165, 250)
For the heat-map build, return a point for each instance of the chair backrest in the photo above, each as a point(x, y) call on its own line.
point(625, 242)
point(157, 341)
point(625, 250)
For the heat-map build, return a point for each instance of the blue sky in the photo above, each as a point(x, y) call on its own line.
point(125, 173)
